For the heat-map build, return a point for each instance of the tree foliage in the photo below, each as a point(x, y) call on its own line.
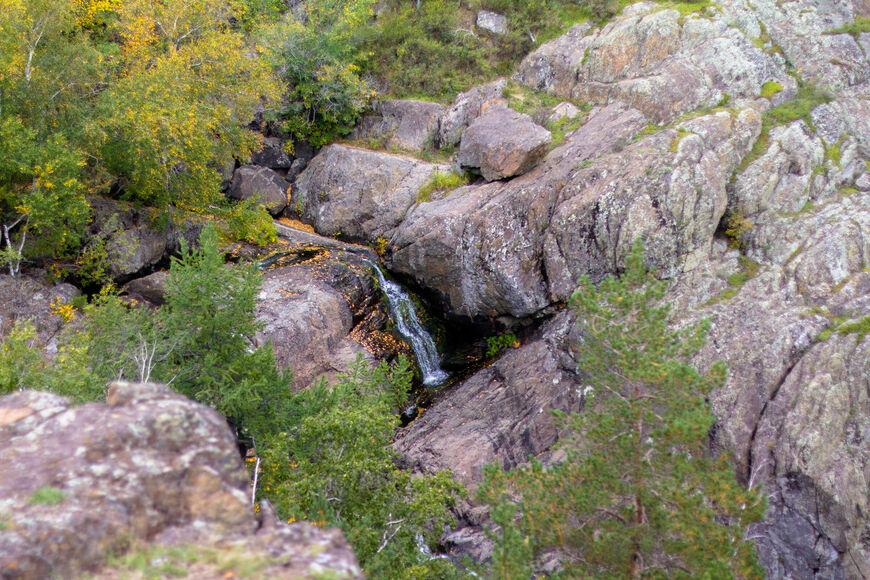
point(151, 98)
point(316, 57)
point(335, 465)
point(640, 494)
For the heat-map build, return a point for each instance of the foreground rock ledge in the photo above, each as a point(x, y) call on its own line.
point(147, 467)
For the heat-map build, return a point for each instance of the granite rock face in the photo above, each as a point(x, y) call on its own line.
point(657, 61)
point(401, 124)
point(501, 413)
point(76, 483)
point(518, 246)
point(310, 309)
point(360, 194)
point(803, 31)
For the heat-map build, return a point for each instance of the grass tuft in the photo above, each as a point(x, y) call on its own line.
point(441, 182)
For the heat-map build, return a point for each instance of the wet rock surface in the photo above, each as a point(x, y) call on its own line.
point(77, 483)
point(309, 310)
point(499, 414)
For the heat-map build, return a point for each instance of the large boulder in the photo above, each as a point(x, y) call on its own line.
point(399, 124)
point(503, 143)
point(309, 310)
point(360, 194)
point(78, 484)
point(658, 61)
point(492, 22)
point(261, 184)
point(126, 242)
point(466, 108)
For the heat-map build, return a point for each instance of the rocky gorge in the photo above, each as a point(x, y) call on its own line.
point(735, 141)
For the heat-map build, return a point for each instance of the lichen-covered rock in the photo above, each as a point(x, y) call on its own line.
point(517, 247)
point(847, 115)
point(503, 143)
point(78, 484)
point(261, 184)
point(492, 22)
point(466, 108)
point(401, 124)
point(360, 194)
point(658, 61)
point(801, 29)
point(480, 248)
point(811, 445)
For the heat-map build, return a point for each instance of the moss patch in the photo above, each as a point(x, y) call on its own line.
point(748, 270)
point(47, 496)
point(861, 328)
point(770, 88)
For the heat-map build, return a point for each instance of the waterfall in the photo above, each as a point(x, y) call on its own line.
point(402, 310)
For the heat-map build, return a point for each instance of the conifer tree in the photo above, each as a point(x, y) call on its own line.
point(639, 495)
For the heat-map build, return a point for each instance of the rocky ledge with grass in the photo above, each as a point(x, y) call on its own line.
point(150, 472)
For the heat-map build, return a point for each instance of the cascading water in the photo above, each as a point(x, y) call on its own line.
point(403, 313)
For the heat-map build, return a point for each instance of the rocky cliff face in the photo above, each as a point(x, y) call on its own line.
point(760, 220)
point(147, 469)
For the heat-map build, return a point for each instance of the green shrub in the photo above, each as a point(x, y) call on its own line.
point(248, 220)
point(335, 466)
point(425, 51)
point(317, 60)
point(20, 359)
point(499, 342)
point(638, 494)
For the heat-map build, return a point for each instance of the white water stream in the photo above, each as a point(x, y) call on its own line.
point(403, 313)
